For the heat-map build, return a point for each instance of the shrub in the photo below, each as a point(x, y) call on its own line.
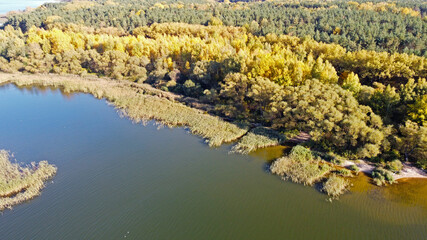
point(344, 172)
point(354, 167)
point(382, 176)
point(301, 153)
point(331, 115)
point(394, 166)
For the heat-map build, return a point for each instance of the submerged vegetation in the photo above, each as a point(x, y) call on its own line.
point(19, 184)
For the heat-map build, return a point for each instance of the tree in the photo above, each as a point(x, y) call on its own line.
point(418, 111)
point(413, 143)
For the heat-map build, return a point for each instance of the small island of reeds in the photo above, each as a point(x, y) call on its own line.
point(21, 183)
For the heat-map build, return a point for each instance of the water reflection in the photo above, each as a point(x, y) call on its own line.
point(271, 153)
point(39, 90)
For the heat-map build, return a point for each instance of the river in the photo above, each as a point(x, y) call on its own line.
point(6, 6)
point(120, 180)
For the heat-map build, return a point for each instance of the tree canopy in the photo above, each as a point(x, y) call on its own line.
point(398, 26)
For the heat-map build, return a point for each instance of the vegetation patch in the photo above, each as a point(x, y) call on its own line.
point(382, 176)
point(138, 106)
point(394, 166)
point(300, 167)
point(354, 168)
point(361, 103)
point(259, 137)
point(344, 172)
point(19, 184)
point(335, 186)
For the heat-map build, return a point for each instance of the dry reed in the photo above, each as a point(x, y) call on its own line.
point(300, 166)
point(140, 103)
point(19, 184)
point(335, 186)
point(259, 137)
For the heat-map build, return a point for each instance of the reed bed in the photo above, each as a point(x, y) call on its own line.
point(139, 103)
point(259, 137)
point(335, 186)
point(19, 184)
point(307, 173)
point(300, 167)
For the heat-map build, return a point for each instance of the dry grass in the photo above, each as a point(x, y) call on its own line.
point(335, 186)
point(140, 103)
point(259, 137)
point(307, 172)
point(19, 184)
point(300, 167)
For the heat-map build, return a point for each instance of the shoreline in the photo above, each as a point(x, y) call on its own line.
point(408, 170)
point(141, 103)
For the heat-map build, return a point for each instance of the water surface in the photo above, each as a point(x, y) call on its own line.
point(120, 180)
point(6, 6)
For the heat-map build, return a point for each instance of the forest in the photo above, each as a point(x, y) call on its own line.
point(350, 74)
point(398, 26)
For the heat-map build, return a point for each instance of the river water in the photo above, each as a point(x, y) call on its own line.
point(9, 5)
point(121, 180)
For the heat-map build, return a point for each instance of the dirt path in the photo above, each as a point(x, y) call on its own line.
point(300, 138)
point(408, 170)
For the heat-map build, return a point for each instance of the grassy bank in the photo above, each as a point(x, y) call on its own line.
point(259, 137)
point(19, 184)
point(140, 103)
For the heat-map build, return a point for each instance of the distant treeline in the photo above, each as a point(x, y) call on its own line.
point(399, 26)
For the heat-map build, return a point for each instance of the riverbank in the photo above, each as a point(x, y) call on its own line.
point(141, 103)
point(115, 176)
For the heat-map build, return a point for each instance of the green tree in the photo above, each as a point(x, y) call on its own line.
point(413, 143)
